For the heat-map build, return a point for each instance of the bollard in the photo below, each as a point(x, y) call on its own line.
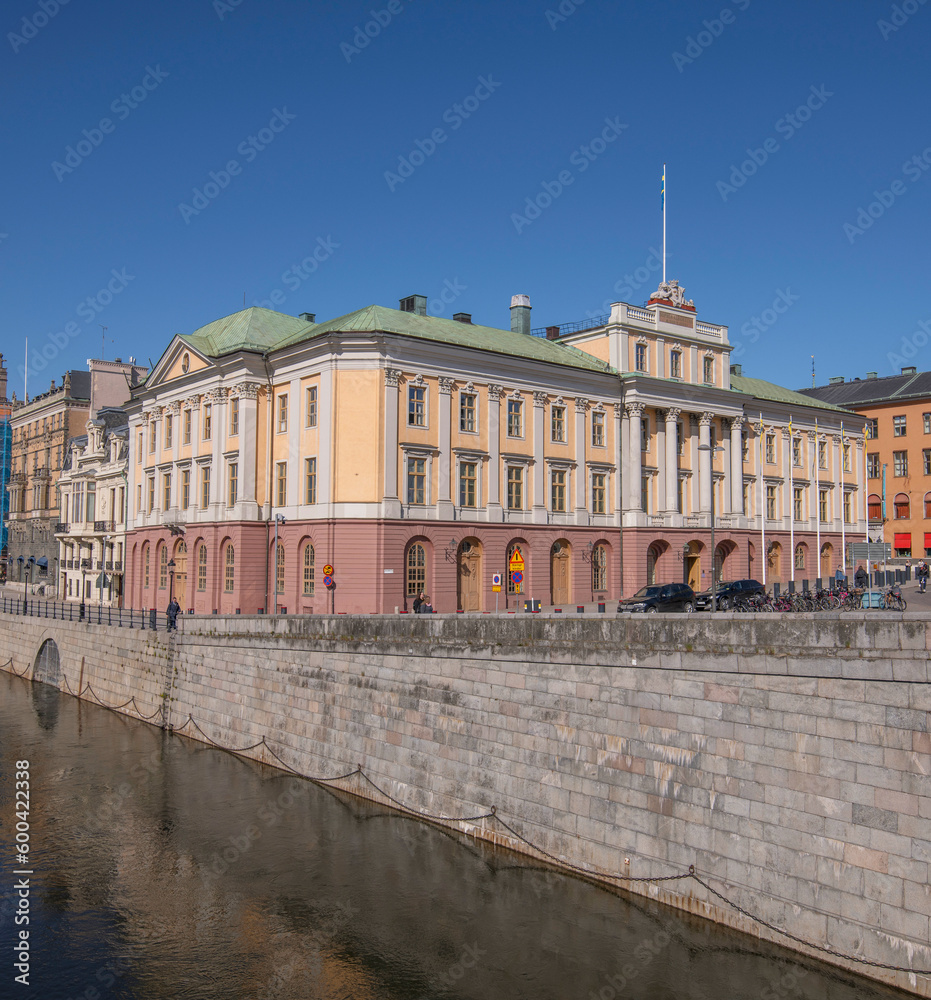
point(153, 619)
point(580, 609)
point(601, 607)
point(557, 611)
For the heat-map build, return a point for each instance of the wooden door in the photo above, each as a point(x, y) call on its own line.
point(470, 577)
point(694, 563)
point(559, 573)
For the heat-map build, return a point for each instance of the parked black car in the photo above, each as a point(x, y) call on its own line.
point(728, 593)
point(662, 597)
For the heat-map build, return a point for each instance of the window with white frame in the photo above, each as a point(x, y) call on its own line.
point(417, 405)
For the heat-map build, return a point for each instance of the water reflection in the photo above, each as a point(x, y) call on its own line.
point(168, 869)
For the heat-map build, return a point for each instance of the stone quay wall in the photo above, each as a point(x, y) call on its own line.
point(786, 759)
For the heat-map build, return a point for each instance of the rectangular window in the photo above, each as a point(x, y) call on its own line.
point(558, 490)
point(848, 516)
point(872, 465)
point(233, 484)
point(151, 488)
point(208, 417)
point(675, 364)
point(680, 440)
point(771, 502)
point(234, 416)
point(845, 456)
point(417, 480)
point(898, 426)
point(310, 405)
point(139, 499)
point(205, 486)
point(310, 480)
point(640, 357)
point(708, 369)
point(797, 503)
point(598, 429)
point(201, 568)
point(92, 500)
point(282, 413)
point(515, 418)
point(417, 405)
point(926, 460)
point(645, 494)
point(139, 449)
point(926, 422)
point(872, 428)
point(823, 506)
point(168, 431)
point(152, 437)
point(747, 498)
point(644, 433)
point(900, 463)
point(281, 484)
point(467, 479)
point(186, 439)
point(598, 493)
point(166, 491)
point(558, 423)
point(515, 487)
point(822, 455)
point(771, 449)
point(796, 452)
point(467, 411)
point(185, 489)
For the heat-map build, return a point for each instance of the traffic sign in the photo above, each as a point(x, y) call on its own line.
point(328, 581)
point(517, 576)
point(516, 562)
point(328, 571)
point(496, 583)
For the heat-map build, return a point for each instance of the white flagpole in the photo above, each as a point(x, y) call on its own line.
point(843, 522)
point(26, 373)
point(664, 223)
point(791, 504)
point(759, 474)
point(818, 493)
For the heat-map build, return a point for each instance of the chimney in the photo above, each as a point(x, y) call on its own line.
point(416, 304)
point(552, 333)
point(2, 378)
point(309, 317)
point(737, 369)
point(836, 380)
point(463, 317)
point(520, 314)
point(909, 370)
point(869, 375)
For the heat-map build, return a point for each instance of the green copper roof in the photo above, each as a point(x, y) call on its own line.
point(448, 331)
point(252, 329)
point(759, 389)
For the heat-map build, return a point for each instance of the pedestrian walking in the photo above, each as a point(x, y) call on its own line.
point(173, 608)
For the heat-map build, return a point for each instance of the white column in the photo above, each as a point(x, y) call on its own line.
point(539, 465)
point(838, 485)
point(619, 461)
point(581, 469)
point(495, 507)
point(634, 411)
point(704, 463)
point(445, 470)
point(217, 397)
point(295, 465)
point(660, 461)
point(737, 466)
point(248, 452)
point(325, 440)
point(672, 460)
point(392, 502)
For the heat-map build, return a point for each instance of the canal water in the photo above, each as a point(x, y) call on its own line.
point(167, 869)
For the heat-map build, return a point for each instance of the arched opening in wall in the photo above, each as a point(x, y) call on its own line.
point(874, 507)
point(201, 549)
point(751, 561)
point(560, 554)
point(722, 560)
point(280, 566)
point(47, 666)
point(513, 588)
point(415, 570)
point(308, 573)
point(901, 507)
point(927, 504)
point(655, 568)
point(691, 559)
point(774, 561)
point(469, 575)
point(146, 568)
point(229, 567)
point(601, 560)
point(801, 557)
point(163, 567)
point(180, 558)
point(827, 561)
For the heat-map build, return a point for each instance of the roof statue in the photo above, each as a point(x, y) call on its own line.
point(671, 292)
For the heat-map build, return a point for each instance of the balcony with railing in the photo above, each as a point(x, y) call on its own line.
point(61, 528)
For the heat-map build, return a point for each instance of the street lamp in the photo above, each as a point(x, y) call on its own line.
point(279, 519)
point(714, 587)
point(171, 580)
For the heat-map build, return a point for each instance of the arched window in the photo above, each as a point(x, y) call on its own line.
point(799, 556)
point(229, 576)
point(162, 567)
point(599, 568)
point(874, 507)
point(901, 507)
point(927, 504)
point(145, 566)
point(201, 567)
point(308, 570)
point(416, 570)
point(279, 569)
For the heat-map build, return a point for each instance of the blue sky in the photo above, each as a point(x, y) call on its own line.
point(321, 156)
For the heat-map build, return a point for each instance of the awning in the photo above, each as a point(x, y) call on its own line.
point(903, 540)
point(928, 539)
point(42, 561)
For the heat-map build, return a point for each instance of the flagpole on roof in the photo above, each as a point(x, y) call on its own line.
point(664, 223)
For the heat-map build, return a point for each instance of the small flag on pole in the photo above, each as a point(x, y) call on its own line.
point(662, 204)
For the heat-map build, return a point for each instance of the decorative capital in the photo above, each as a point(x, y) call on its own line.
point(812, 437)
point(193, 402)
point(217, 394)
point(581, 404)
point(157, 411)
point(247, 390)
point(539, 398)
point(392, 377)
point(174, 407)
point(835, 438)
point(673, 414)
point(446, 386)
point(706, 419)
point(494, 391)
point(635, 409)
point(738, 422)
point(618, 411)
